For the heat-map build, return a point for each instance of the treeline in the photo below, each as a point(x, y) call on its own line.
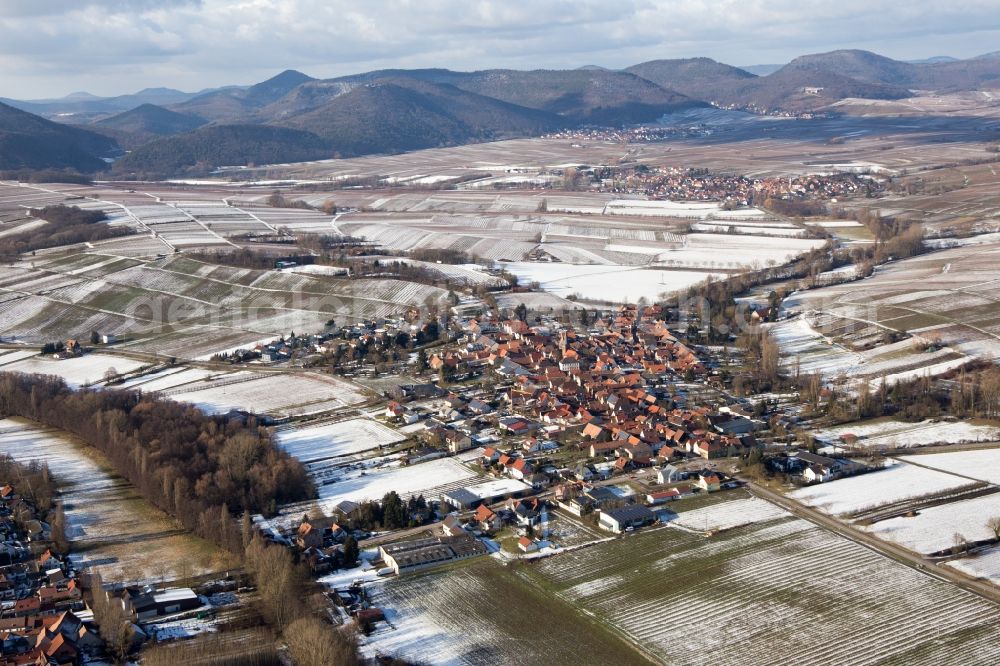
point(246, 258)
point(201, 469)
point(67, 225)
point(973, 393)
point(293, 605)
point(46, 176)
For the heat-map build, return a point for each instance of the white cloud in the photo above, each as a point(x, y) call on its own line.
point(110, 46)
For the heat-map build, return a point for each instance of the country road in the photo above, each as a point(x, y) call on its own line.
point(891, 550)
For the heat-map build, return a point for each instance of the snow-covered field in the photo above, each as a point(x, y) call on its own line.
point(783, 591)
point(983, 565)
point(933, 528)
point(78, 371)
point(112, 528)
point(274, 394)
point(727, 515)
point(882, 433)
point(982, 464)
point(808, 350)
point(606, 283)
point(336, 439)
point(166, 380)
point(688, 209)
point(406, 480)
point(897, 482)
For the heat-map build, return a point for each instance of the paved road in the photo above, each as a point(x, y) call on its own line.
point(898, 553)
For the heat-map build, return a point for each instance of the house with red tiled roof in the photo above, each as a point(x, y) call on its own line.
point(487, 519)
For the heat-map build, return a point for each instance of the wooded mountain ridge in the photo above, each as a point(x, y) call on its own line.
point(293, 116)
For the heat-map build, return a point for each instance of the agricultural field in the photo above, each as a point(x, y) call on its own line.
point(316, 442)
point(277, 394)
point(79, 371)
point(983, 564)
point(933, 529)
point(484, 613)
point(777, 590)
point(942, 298)
point(183, 308)
point(883, 433)
point(981, 464)
point(823, 343)
point(897, 482)
point(112, 528)
point(605, 283)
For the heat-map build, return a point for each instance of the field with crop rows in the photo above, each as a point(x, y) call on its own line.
point(778, 591)
point(484, 613)
point(184, 308)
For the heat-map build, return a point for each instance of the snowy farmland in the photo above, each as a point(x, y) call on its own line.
point(76, 372)
point(605, 283)
point(312, 443)
point(275, 394)
point(781, 591)
point(106, 517)
point(887, 433)
point(897, 482)
point(467, 616)
point(933, 529)
point(984, 564)
point(982, 464)
point(727, 515)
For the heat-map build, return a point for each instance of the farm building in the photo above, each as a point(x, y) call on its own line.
point(417, 554)
point(633, 515)
point(154, 603)
point(471, 497)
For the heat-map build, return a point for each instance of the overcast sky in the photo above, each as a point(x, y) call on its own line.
point(49, 48)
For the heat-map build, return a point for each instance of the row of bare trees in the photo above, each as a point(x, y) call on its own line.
point(203, 470)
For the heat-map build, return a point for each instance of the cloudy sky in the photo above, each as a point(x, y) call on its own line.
point(50, 48)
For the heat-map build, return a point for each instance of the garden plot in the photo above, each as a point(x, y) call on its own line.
point(887, 433)
point(112, 528)
point(275, 394)
point(896, 483)
point(982, 464)
point(933, 529)
point(79, 371)
point(469, 616)
point(783, 591)
point(312, 443)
